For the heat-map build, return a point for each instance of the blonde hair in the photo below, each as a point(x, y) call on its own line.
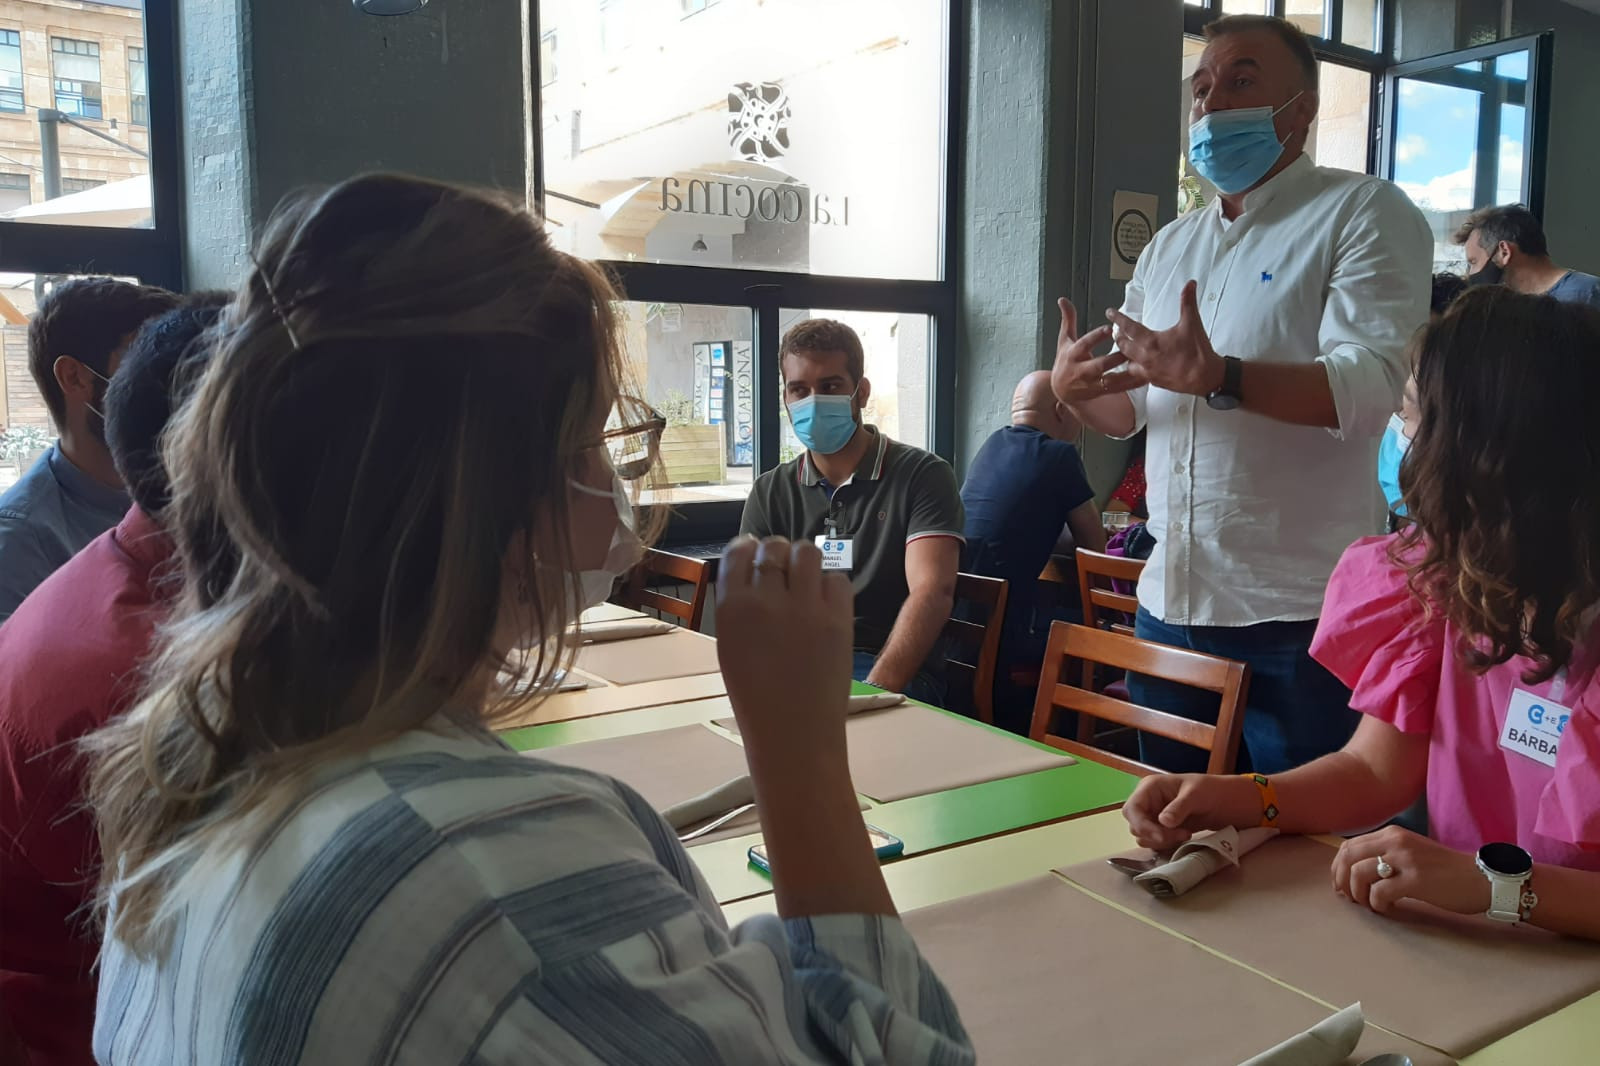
point(401, 392)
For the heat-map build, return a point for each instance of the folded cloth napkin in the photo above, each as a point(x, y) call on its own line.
point(1200, 857)
point(645, 627)
point(1328, 1043)
point(874, 701)
point(720, 800)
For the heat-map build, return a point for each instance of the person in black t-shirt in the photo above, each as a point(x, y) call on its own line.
point(1027, 497)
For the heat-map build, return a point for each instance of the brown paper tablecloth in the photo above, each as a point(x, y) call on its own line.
point(1452, 982)
point(627, 662)
point(907, 750)
point(912, 751)
point(1043, 973)
point(666, 767)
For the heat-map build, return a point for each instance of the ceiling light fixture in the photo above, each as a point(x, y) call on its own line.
point(699, 244)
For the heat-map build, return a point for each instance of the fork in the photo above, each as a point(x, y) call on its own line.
point(715, 823)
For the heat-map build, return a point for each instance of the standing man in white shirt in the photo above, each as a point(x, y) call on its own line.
point(1262, 340)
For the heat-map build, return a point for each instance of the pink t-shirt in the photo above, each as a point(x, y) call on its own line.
point(1402, 667)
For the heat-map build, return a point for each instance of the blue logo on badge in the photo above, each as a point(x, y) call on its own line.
point(1265, 276)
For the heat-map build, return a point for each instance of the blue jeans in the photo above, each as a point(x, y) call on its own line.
point(1295, 710)
point(925, 687)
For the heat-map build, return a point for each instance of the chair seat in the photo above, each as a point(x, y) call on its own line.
point(1118, 690)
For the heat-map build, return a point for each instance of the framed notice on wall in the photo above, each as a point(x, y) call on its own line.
point(1133, 224)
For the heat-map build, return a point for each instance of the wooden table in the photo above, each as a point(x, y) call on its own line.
point(925, 823)
point(1569, 1036)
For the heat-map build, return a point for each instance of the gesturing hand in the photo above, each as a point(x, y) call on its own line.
point(1179, 359)
point(784, 636)
point(1079, 374)
point(1423, 869)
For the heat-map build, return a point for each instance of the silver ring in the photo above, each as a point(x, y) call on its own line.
point(1385, 871)
point(770, 565)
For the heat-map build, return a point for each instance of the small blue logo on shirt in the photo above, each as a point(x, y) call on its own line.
point(1265, 276)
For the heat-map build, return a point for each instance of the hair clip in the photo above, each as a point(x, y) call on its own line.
point(277, 305)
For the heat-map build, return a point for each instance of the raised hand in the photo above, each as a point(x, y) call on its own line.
point(1179, 359)
point(784, 635)
point(1079, 375)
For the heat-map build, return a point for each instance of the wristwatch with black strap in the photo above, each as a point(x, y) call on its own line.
point(1226, 396)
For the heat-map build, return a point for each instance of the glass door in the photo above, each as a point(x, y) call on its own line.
point(1467, 129)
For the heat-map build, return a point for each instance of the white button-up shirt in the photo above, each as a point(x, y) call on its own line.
point(1250, 514)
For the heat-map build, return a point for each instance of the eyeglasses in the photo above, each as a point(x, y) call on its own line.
point(632, 437)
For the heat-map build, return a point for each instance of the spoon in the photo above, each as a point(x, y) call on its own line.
point(1135, 867)
point(1391, 1059)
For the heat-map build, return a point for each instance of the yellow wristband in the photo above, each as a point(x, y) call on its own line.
point(1269, 799)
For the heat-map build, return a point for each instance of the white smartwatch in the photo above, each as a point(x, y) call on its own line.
point(1509, 869)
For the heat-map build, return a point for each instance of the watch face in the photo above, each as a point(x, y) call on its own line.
point(1221, 401)
point(1507, 860)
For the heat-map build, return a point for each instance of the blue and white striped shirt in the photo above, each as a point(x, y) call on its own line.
point(445, 900)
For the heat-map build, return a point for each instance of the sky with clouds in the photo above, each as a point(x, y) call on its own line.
point(1437, 136)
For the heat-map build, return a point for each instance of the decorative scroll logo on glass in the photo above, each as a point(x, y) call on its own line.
point(758, 121)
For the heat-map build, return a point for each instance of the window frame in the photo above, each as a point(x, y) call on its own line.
point(1329, 49)
point(152, 255)
point(21, 90)
point(134, 118)
point(56, 80)
point(767, 292)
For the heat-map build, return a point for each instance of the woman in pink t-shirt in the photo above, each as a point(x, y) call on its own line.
point(1469, 642)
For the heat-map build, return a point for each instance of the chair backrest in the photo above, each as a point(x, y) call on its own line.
point(972, 648)
point(1096, 572)
point(1228, 679)
point(642, 589)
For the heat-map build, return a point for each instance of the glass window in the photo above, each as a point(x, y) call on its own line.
point(15, 191)
point(613, 25)
point(793, 135)
point(547, 58)
point(77, 74)
point(11, 94)
point(1245, 7)
point(72, 185)
point(694, 364)
point(1308, 15)
point(1442, 118)
point(896, 347)
point(1360, 26)
point(26, 430)
point(138, 87)
point(1342, 134)
point(691, 7)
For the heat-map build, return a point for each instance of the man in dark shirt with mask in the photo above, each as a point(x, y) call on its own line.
point(887, 514)
point(1506, 246)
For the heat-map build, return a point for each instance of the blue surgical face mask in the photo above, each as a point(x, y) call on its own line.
point(824, 424)
point(1390, 452)
point(1234, 149)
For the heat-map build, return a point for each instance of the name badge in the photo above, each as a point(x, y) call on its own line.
point(1534, 726)
point(838, 553)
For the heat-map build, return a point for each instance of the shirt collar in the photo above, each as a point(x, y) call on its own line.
point(143, 540)
point(870, 467)
point(1287, 178)
point(80, 486)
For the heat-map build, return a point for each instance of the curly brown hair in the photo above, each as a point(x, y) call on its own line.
point(1502, 482)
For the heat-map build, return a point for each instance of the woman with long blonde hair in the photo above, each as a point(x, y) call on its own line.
point(392, 490)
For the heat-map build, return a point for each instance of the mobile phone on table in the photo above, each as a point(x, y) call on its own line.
point(885, 845)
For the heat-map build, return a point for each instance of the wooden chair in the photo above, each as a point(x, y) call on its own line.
point(1227, 678)
point(972, 649)
point(1096, 571)
point(642, 590)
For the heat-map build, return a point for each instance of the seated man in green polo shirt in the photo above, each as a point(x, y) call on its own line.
point(887, 513)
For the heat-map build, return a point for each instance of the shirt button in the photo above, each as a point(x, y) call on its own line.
point(1177, 468)
point(1212, 298)
point(1183, 408)
point(1177, 525)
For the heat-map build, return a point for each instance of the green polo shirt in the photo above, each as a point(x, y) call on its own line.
point(897, 494)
